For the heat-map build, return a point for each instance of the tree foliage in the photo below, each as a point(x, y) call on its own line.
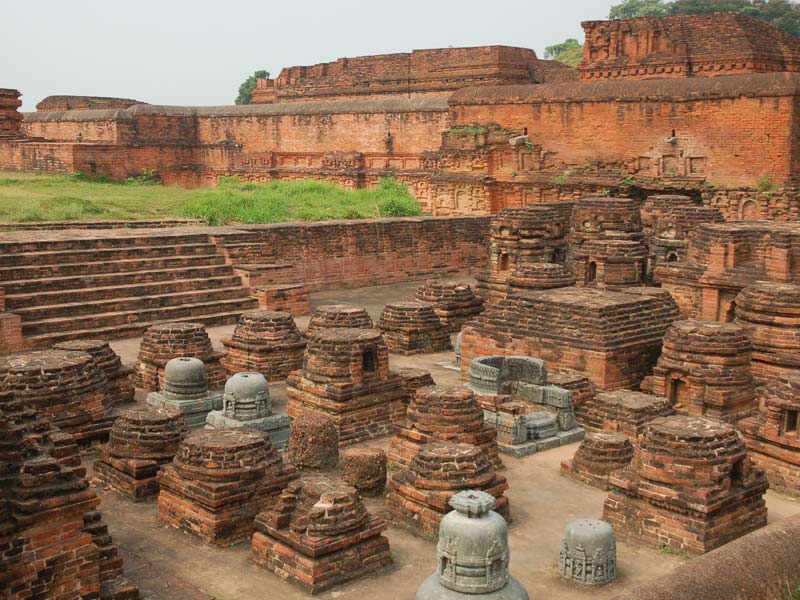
point(246, 89)
point(565, 46)
point(783, 14)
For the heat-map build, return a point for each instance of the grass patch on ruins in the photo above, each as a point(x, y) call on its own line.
point(27, 197)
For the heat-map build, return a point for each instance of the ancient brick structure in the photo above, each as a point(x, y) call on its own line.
point(539, 276)
point(161, 343)
point(247, 404)
point(685, 46)
point(623, 411)
point(581, 387)
point(319, 534)
point(421, 492)
point(611, 337)
point(329, 316)
point(364, 469)
point(413, 380)
point(724, 258)
point(770, 312)
point(119, 377)
point(10, 329)
point(772, 434)
point(705, 370)
point(690, 487)
point(140, 442)
point(62, 103)
point(53, 542)
point(346, 377)
point(413, 328)
point(313, 443)
point(453, 302)
point(266, 342)
point(10, 118)
point(64, 386)
point(293, 298)
point(599, 454)
point(446, 413)
point(185, 389)
point(219, 481)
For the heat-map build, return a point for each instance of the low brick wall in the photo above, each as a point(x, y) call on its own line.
point(763, 565)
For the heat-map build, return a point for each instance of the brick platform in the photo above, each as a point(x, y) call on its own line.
point(266, 342)
point(330, 316)
point(539, 276)
point(120, 381)
point(219, 481)
point(346, 377)
point(690, 487)
point(421, 493)
point(413, 328)
point(623, 411)
point(599, 454)
point(705, 370)
point(453, 302)
point(293, 298)
point(443, 413)
point(320, 535)
point(161, 343)
point(141, 441)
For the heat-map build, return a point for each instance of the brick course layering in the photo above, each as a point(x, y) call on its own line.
point(413, 328)
point(690, 487)
point(453, 302)
point(624, 411)
point(120, 378)
point(600, 453)
point(219, 481)
point(330, 316)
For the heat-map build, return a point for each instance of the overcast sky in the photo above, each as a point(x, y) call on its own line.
point(198, 52)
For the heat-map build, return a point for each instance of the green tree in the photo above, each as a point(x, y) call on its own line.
point(630, 9)
point(556, 49)
point(246, 89)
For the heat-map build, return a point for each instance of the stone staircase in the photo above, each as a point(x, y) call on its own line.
point(116, 286)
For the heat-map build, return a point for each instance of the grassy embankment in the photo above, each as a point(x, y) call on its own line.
point(25, 198)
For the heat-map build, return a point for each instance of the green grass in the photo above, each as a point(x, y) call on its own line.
point(25, 197)
point(572, 57)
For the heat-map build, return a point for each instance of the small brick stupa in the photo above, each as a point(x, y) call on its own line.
point(443, 413)
point(625, 411)
point(266, 342)
point(313, 443)
point(330, 316)
point(346, 377)
point(413, 328)
point(770, 312)
point(246, 404)
point(421, 493)
point(453, 302)
point(319, 535)
point(120, 378)
point(705, 370)
point(219, 481)
point(185, 389)
point(773, 433)
point(539, 276)
point(141, 441)
point(64, 386)
point(690, 487)
point(413, 380)
point(599, 454)
point(161, 343)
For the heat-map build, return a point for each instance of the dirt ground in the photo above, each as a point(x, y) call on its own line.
point(169, 564)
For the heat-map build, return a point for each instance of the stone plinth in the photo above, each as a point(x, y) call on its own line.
point(445, 413)
point(313, 443)
point(581, 387)
point(773, 433)
point(246, 404)
point(364, 469)
point(161, 343)
point(690, 487)
point(64, 386)
point(421, 493)
point(319, 535)
point(141, 441)
point(611, 337)
point(770, 312)
point(472, 554)
point(266, 342)
point(120, 378)
point(185, 390)
point(329, 316)
point(346, 377)
point(704, 369)
point(599, 454)
point(588, 552)
point(413, 328)
point(539, 276)
point(219, 481)
point(623, 411)
point(453, 302)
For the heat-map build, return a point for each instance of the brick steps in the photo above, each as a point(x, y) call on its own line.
point(142, 240)
point(51, 257)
